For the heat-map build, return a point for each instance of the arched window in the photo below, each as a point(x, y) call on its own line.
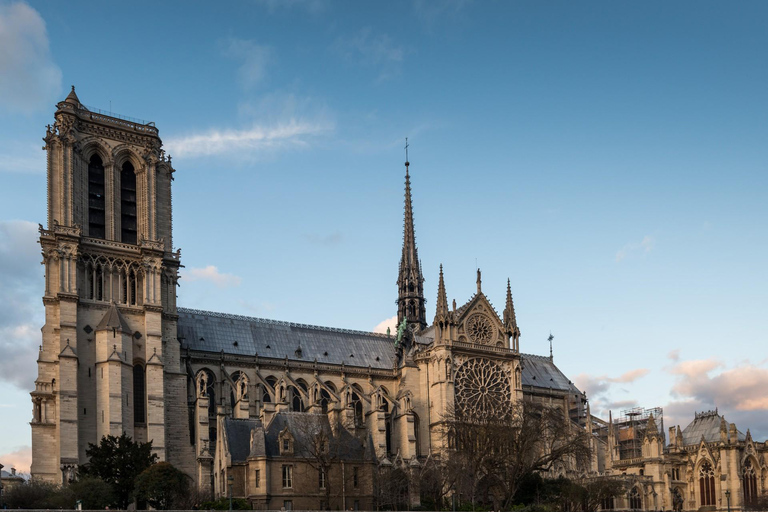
point(128, 204)
point(139, 395)
point(96, 222)
point(707, 484)
point(325, 399)
point(266, 397)
point(357, 405)
point(749, 483)
point(635, 501)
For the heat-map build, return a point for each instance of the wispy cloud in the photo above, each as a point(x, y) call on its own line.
point(598, 389)
point(29, 79)
point(390, 323)
point(293, 133)
point(330, 239)
point(21, 278)
point(21, 158)
point(643, 247)
point(211, 274)
point(374, 51)
point(255, 58)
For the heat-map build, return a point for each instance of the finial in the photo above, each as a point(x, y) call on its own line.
point(479, 282)
point(407, 163)
point(73, 88)
point(550, 344)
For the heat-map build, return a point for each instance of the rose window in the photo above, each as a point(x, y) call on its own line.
point(479, 329)
point(482, 389)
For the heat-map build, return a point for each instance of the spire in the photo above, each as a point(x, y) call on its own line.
point(510, 321)
point(479, 282)
point(441, 312)
point(410, 280)
point(72, 97)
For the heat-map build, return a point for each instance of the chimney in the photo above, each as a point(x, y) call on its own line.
point(13, 471)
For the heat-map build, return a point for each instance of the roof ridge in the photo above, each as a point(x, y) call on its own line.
point(233, 316)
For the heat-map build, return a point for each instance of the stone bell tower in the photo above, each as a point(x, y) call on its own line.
point(109, 359)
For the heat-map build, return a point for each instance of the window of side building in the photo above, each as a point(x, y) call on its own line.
point(287, 477)
point(257, 478)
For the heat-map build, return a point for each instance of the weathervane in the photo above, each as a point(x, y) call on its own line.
point(406, 152)
point(550, 344)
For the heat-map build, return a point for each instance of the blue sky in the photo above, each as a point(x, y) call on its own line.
point(609, 158)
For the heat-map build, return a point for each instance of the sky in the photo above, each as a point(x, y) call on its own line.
point(609, 158)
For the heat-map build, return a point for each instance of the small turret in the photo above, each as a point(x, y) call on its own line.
point(510, 321)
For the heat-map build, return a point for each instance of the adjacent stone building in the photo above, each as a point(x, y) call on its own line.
point(708, 465)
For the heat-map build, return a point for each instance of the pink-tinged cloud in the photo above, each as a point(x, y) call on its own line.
point(739, 392)
point(21, 459)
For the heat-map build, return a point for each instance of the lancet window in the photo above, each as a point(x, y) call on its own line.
point(707, 484)
point(749, 482)
point(635, 501)
point(128, 204)
point(96, 200)
point(139, 394)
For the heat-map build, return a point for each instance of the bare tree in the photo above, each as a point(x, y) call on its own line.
point(494, 454)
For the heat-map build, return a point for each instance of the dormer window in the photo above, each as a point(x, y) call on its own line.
point(285, 441)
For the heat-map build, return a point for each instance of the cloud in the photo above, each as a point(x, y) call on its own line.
point(390, 323)
point(29, 79)
point(15, 157)
point(331, 239)
point(376, 51)
point(212, 274)
point(21, 280)
point(293, 133)
point(20, 458)
point(598, 389)
point(643, 247)
point(738, 392)
point(255, 59)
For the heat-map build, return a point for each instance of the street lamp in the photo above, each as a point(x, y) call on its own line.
point(728, 498)
point(230, 479)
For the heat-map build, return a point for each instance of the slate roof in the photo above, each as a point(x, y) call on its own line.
point(238, 433)
point(541, 372)
point(707, 425)
point(7, 475)
point(302, 425)
point(241, 335)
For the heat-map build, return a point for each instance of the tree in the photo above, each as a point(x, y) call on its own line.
point(94, 493)
point(118, 461)
point(600, 492)
point(38, 495)
point(162, 486)
point(498, 452)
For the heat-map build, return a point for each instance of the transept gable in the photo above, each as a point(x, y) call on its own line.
point(479, 323)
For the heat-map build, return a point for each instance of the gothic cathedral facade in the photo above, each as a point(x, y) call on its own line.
point(227, 398)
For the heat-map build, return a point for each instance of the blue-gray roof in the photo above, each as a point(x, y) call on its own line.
point(239, 436)
point(241, 335)
point(541, 372)
point(708, 425)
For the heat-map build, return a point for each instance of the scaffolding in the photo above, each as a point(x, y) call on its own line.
point(630, 429)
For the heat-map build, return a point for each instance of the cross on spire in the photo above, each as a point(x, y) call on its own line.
point(406, 152)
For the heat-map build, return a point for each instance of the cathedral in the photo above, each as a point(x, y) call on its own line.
point(239, 403)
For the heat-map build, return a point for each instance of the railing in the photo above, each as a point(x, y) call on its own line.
point(98, 115)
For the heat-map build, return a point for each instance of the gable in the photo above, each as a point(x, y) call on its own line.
point(479, 323)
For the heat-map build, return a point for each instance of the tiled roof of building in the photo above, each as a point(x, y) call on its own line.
point(705, 424)
point(8, 475)
point(541, 372)
point(238, 433)
point(242, 335)
point(303, 427)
